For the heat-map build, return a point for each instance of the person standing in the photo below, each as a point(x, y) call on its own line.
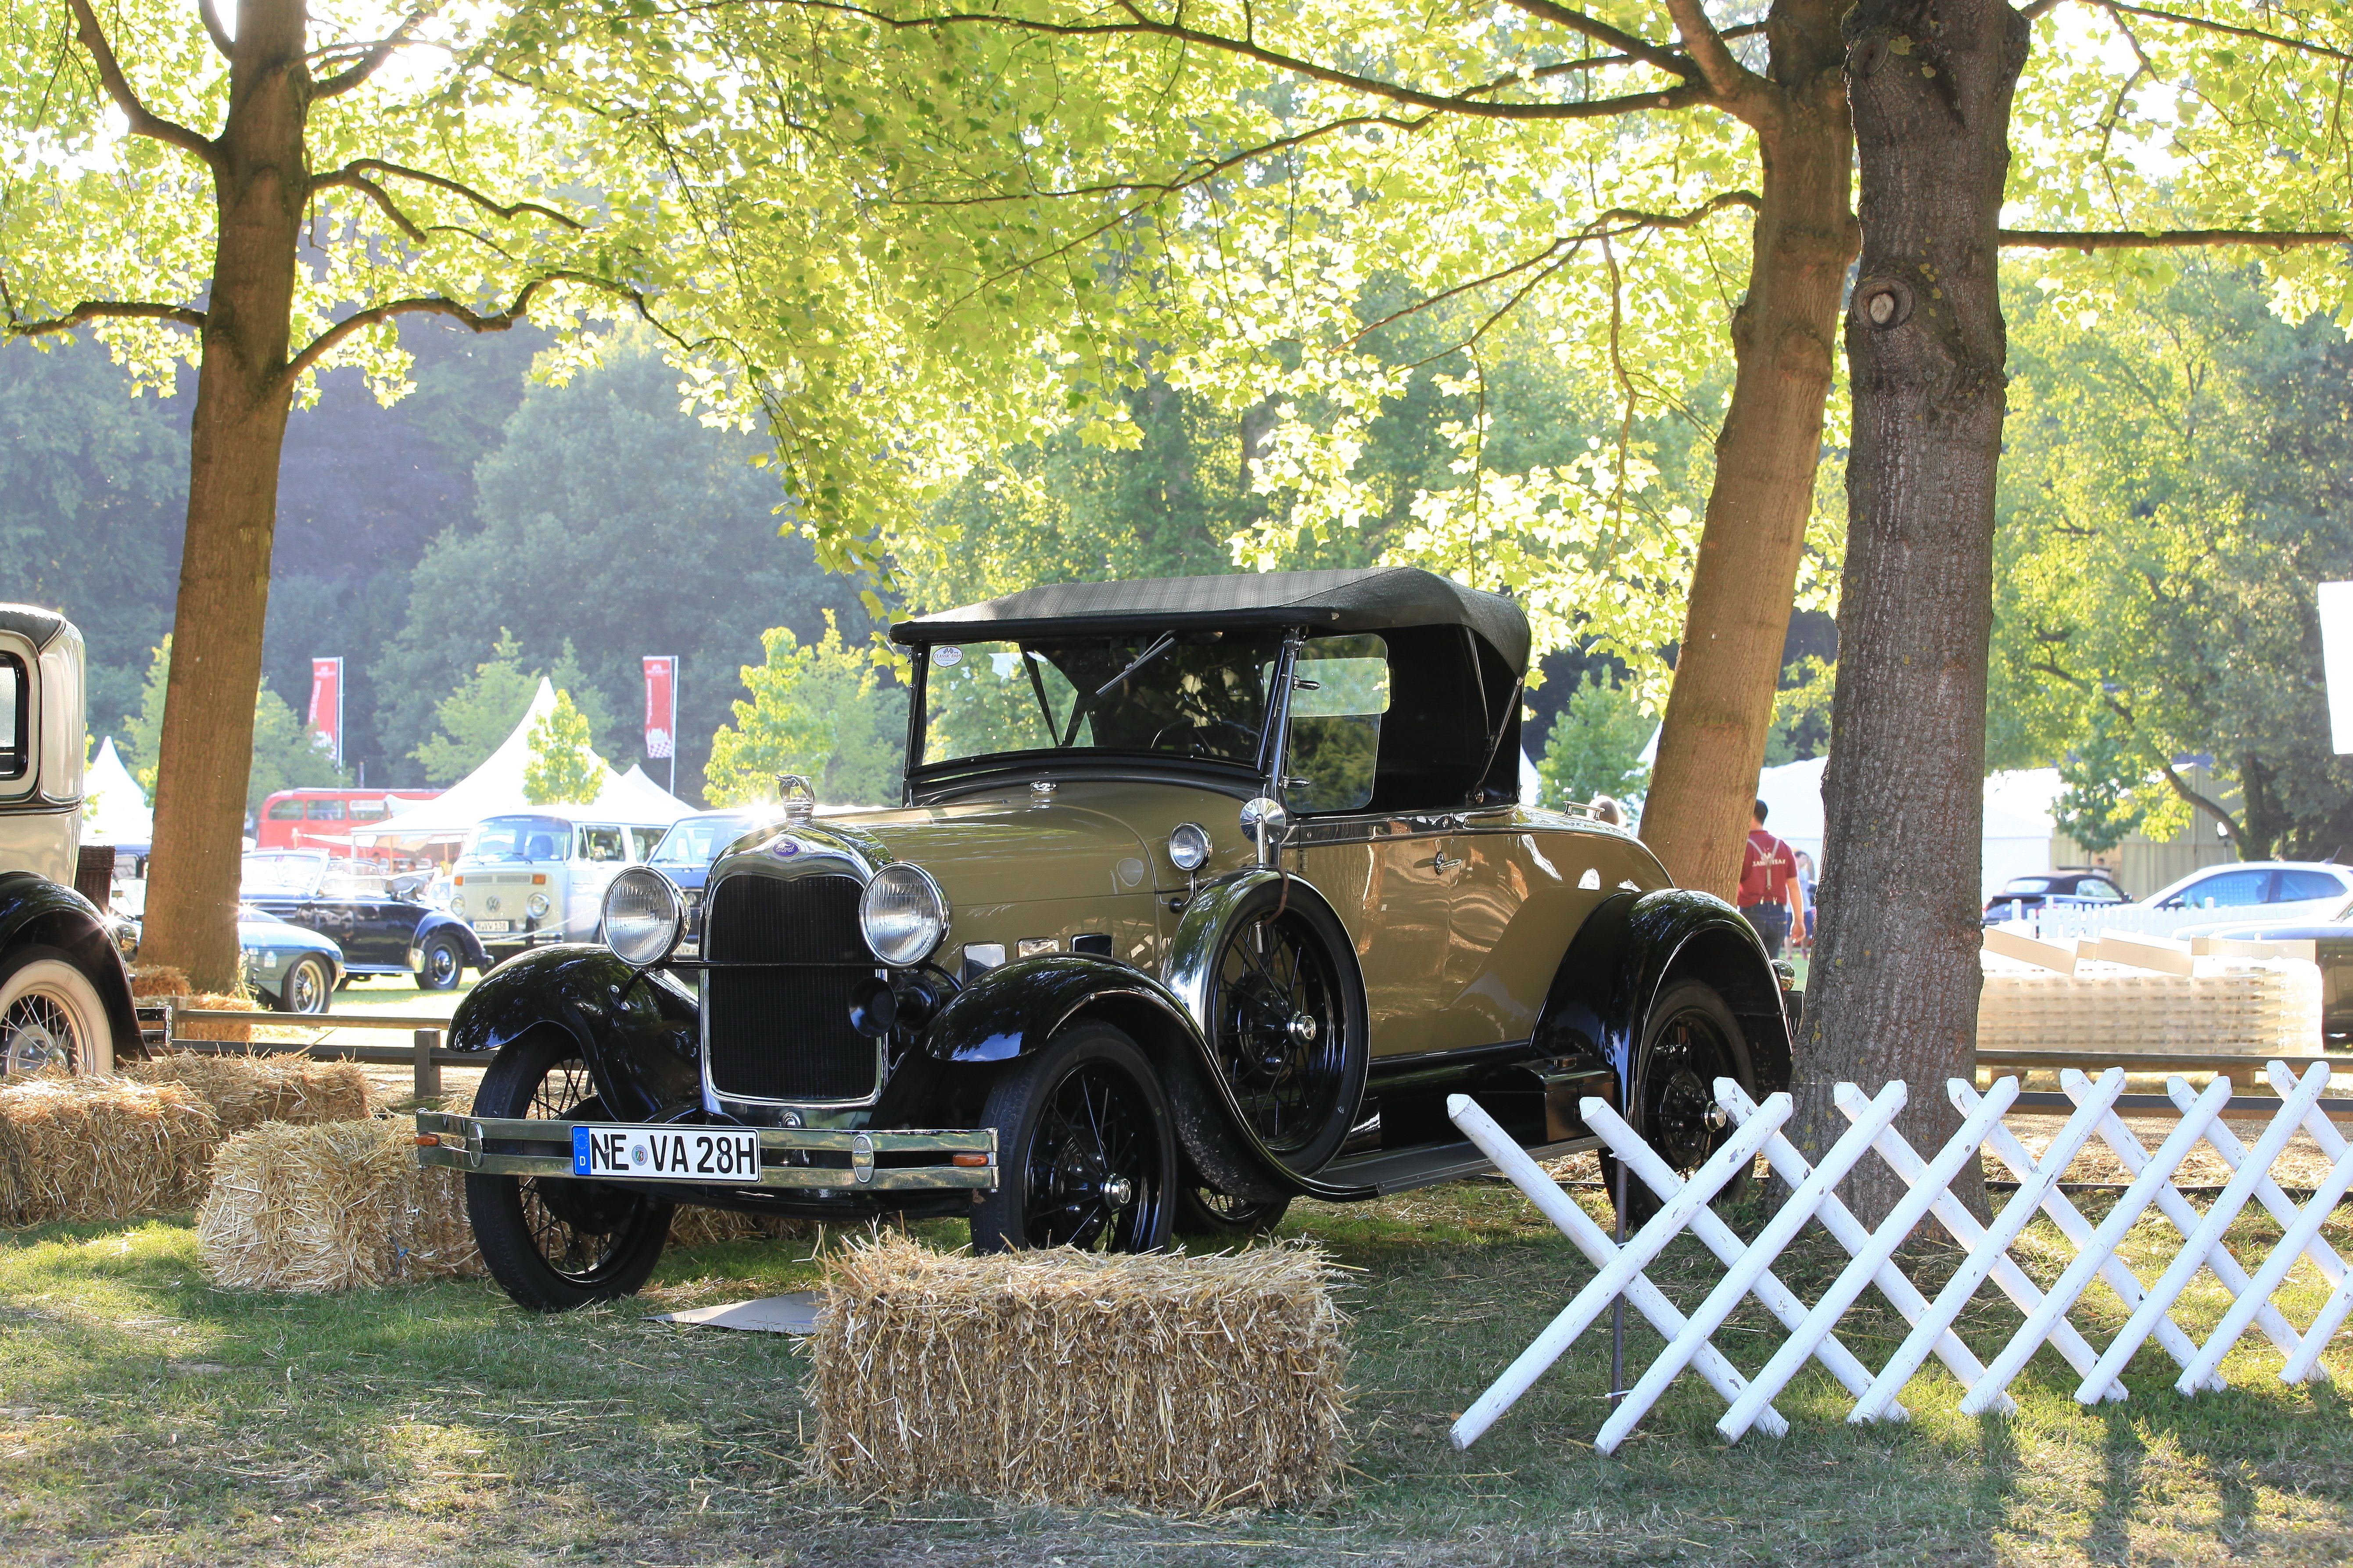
point(1769, 895)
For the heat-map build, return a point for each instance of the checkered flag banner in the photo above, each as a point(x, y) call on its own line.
point(1811, 1333)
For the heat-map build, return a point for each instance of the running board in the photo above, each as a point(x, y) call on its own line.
point(1403, 1170)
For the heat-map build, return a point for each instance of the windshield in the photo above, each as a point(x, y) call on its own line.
point(1197, 695)
point(2028, 885)
point(280, 875)
point(518, 838)
point(697, 841)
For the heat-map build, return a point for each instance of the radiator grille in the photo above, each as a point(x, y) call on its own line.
point(784, 1034)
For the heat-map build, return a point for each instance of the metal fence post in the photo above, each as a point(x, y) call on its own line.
point(429, 1071)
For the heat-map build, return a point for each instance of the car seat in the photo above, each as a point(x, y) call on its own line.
point(542, 846)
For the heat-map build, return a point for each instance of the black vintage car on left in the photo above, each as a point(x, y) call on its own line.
point(381, 924)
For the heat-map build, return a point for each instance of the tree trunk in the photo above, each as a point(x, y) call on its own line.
point(261, 184)
point(1729, 663)
point(1894, 988)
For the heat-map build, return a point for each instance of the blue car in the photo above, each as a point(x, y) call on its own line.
point(378, 923)
point(294, 970)
point(687, 851)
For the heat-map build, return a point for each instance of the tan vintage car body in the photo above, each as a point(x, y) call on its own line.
point(1441, 936)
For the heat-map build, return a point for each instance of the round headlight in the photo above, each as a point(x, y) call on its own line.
point(1189, 845)
point(458, 905)
point(644, 917)
point(537, 905)
point(903, 915)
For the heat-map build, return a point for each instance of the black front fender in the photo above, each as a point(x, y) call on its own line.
point(1015, 1008)
point(475, 956)
point(640, 1037)
point(1625, 953)
point(35, 911)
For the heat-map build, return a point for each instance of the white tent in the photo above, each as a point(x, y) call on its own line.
point(2016, 841)
point(116, 811)
point(495, 789)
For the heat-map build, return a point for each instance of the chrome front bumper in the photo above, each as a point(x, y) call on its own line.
point(817, 1160)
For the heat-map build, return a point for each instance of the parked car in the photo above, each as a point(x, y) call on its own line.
point(2071, 888)
point(64, 997)
point(2287, 889)
point(1204, 894)
point(531, 879)
point(381, 924)
point(687, 851)
point(291, 967)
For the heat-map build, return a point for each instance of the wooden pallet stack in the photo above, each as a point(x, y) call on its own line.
point(2131, 993)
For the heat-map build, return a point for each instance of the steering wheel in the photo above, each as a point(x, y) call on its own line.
point(1248, 734)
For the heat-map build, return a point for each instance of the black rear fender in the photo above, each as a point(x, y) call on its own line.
point(475, 956)
point(639, 1035)
point(1629, 949)
point(1015, 1008)
point(38, 913)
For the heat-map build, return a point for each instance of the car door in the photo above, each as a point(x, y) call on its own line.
point(1387, 880)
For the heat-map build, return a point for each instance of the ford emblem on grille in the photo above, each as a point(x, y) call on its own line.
point(788, 847)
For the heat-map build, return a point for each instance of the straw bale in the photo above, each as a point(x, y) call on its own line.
point(693, 1226)
point(214, 1001)
point(246, 1092)
point(157, 980)
point(100, 1149)
point(330, 1207)
point(1172, 1383)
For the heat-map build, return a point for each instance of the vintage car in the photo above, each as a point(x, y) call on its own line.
point(687, 851)
point(64, 997)
point(377, 921)
point(1204, 894)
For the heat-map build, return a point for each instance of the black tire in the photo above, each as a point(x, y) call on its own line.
point(1205, 1214)
point(551, 1243)
point(52, 1015)
point(443, 964)
point(1086, 1156)
point(307, 986)
point(1691, 1040)
point(1287, 1025)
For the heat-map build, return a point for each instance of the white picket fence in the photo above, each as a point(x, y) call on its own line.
point(1811, 1334)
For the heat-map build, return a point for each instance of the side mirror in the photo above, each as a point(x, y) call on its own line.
point(1266, 823)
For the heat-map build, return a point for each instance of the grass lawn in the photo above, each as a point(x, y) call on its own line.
point(147, 1418)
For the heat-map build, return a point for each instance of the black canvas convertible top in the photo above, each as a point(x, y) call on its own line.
point(1378, 599)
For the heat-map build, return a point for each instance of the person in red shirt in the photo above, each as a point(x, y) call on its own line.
point(1769, 895)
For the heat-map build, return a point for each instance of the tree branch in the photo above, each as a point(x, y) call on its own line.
point(144, 121)
point(2167, 239)
point(351, 76)
point(354, 173)
point(1601, 32)
point(1684, 94)
point(2200, 24)
point(221, 40)
point(2238, 835)
point(440, 305)
point(1729, 80)
point(101, 310)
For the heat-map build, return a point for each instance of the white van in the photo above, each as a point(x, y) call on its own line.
point(535, 878)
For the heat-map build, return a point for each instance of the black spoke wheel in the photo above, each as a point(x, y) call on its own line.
point(1205, 1214)
point(1286, 1026)
point(1085, 1155)
point(1691, 1040)
point(553, 1242)
point(306, 987)
point(443, 964)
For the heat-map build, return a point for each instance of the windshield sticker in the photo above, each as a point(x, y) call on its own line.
point(948, 654)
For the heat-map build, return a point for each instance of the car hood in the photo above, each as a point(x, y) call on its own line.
point(993, 852)
point(253, 932)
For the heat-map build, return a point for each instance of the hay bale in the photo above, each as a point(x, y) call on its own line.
point(100, 1149)
point(691, 1225)
point(330, 1207)
point(1174, 1383)
point(239, 1034)
point(246, 1092)
point(157, 980)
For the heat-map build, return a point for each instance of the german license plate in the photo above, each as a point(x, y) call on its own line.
point(667, 1154)
point(496, 928)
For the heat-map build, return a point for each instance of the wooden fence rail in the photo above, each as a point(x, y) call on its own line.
point(423, 1051)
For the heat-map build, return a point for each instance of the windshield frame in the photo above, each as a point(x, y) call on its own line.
point(562, 827)
point(927, 781)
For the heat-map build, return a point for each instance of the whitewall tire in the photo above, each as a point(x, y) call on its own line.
point(51, 1017)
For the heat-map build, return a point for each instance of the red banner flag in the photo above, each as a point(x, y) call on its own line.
point(662, 704)
point(327, 705)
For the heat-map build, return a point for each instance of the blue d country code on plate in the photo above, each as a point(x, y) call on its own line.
point(667, 1154)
